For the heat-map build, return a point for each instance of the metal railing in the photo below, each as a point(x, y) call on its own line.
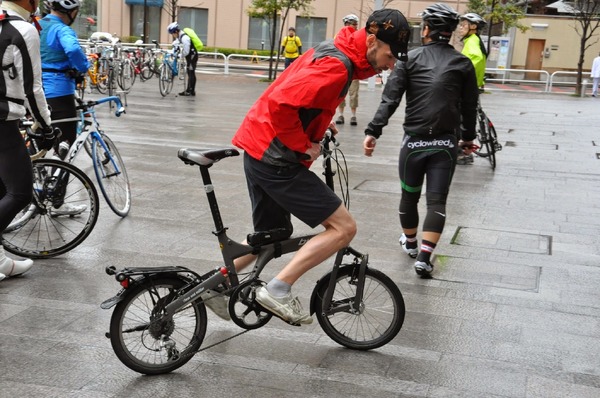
point(519, 76)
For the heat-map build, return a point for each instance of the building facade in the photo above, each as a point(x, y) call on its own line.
point(550, 44)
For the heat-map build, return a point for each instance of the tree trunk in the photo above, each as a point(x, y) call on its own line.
point(273, 44)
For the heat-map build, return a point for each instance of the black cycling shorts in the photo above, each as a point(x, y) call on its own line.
point(276, 192)
point(433, 157)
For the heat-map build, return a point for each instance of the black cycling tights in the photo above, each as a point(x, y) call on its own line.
point(64, 108)
point(16, 176)
point(435, 219)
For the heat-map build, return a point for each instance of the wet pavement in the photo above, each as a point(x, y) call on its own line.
point(513, 309)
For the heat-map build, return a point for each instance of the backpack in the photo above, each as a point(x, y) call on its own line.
point(291, 45)
point(198, 45)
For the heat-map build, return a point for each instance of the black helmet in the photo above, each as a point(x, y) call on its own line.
point(441, 19)
point(474, 19)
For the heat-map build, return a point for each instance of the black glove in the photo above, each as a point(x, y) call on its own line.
point(46, 137)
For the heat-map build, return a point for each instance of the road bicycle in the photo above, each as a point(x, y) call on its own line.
point(37, 231)
point(173, 65)
point(107, 162)
point(487, 139)
point(159, 321)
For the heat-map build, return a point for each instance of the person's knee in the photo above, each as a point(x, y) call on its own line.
point(342, 222)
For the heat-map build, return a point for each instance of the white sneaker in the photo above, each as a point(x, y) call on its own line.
point(287, 308)
point(217, 303)
point(10, 267)
point(411, 252)
point(68, 209)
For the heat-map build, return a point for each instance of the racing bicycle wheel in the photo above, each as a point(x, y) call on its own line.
point(487, 149)
point(165, 79)
point(111, 174)
point(61, 215)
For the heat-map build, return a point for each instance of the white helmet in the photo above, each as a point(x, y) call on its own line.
point(350, 18)
point(173, 27)
point(63, 5)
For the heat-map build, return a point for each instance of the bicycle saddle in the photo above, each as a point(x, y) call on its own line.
point(205, 157)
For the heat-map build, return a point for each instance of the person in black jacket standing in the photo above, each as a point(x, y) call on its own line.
point(20, 90)
point(441, 91)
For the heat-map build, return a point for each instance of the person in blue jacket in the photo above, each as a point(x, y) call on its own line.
point(63, 61)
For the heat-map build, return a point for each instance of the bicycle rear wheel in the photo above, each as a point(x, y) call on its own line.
point(165, 79)
point(111, 175)
point(126, 76)
point(381, 312)
point(37, 231)
point(147, 344)
point(101, 74)
point(487, 148)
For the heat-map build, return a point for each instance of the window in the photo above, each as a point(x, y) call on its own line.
point(260, 34)
point(86, 22)
point(311, 31)
point(195, 18)
point(153, 22)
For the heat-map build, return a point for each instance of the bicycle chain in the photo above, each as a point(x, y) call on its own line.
point(222, 293)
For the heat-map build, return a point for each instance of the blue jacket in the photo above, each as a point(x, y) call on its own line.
point(60, 52)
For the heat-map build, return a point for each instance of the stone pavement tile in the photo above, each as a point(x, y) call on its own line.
point(483, 327)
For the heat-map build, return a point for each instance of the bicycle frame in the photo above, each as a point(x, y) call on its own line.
point(231, 250)
point(87, 117)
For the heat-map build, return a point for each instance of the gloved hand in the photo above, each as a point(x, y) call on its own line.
point(46, 137)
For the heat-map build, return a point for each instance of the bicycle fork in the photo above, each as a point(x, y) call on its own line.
point(351, 305)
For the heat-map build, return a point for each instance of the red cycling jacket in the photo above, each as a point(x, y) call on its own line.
point(297, 108)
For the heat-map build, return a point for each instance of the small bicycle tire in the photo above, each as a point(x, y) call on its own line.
point(147, 345)
point(381, 314)
point(165, 79)
point(37, 232)
point(111, 175)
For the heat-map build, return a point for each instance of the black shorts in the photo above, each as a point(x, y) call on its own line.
point(276, 192)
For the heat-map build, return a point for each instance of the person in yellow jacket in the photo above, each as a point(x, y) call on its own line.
point(469, 27)
point(291, 47)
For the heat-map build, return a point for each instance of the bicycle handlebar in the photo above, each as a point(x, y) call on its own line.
point(90, 104)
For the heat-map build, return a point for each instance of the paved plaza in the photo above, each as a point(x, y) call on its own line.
point(513, 309)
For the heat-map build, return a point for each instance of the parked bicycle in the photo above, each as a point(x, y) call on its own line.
point(40, 230)
point(160, 320)
point(487, 139)
point(108, 165)
point(173, 65)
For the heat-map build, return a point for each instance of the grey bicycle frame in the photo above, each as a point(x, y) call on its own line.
point(231, 250)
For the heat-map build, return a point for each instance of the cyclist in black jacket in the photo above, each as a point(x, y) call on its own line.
point(441, 90)
point(20, 90)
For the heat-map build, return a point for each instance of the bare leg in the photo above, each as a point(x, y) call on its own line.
point(340, 228)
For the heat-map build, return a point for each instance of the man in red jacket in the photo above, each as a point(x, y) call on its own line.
point(280, 136)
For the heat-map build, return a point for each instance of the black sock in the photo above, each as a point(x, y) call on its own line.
point(427, 248)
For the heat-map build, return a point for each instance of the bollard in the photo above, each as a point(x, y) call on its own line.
point(584, 83)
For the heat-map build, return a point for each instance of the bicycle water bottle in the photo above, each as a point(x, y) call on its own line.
point(63, 149)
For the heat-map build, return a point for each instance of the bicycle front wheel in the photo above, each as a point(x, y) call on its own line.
point(381, 313)
point(62, 214)
point(111, 174)
point(165, 80)
point(147, 344)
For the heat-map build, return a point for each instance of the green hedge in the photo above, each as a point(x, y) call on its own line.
point(228, 51)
